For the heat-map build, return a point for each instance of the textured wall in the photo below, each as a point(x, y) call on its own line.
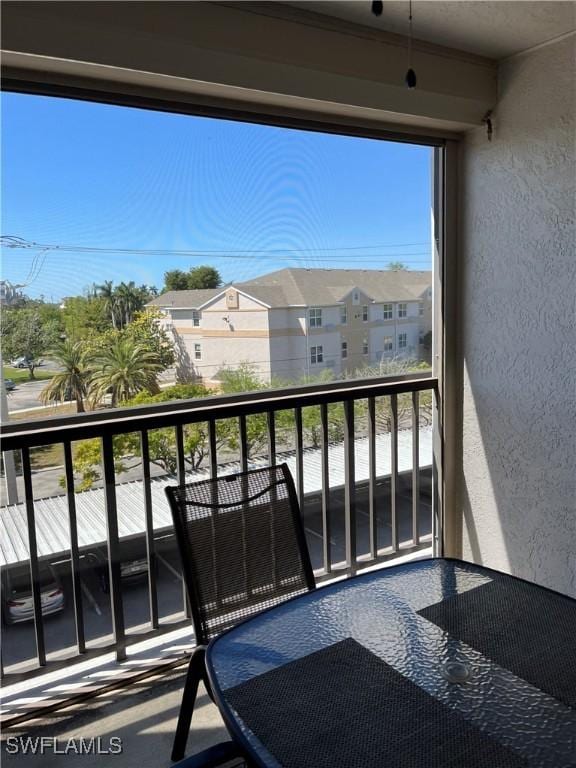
point(518, 336)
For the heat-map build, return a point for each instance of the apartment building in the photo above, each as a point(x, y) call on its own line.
point(295, 322)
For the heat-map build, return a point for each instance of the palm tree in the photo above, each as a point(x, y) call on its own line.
point(130, 299)
point(71, 381)
point(107, 292)
point(124, 369)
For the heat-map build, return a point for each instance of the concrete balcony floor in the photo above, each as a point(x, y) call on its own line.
point(143, 715)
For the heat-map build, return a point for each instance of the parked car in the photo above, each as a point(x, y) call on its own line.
point(25, 362)
point(9, 385)
point(133, 568)
point(20, 362)
point(17, 603)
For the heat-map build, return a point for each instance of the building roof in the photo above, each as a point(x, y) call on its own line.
point(306, 287)
point(329, 286)
point(185, 299)
point(52, 529)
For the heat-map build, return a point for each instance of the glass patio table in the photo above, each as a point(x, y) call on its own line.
point(431, 663)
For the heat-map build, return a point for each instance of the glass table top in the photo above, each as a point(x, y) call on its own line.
point(379, 610)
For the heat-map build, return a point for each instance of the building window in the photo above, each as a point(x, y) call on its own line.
point(343, 314)
point(355, 297)
point(344, 350)
point(420, 309)
point(316, 354)
point(365, 314)
point(389, 343)
point(197, 351)
point(365, 346)
point(402, 341)
point(388, 312)
point(315, 318)
point(402, 310)
point(196, 319)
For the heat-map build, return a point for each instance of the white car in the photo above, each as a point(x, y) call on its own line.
point(20, 362)
point(17, 603)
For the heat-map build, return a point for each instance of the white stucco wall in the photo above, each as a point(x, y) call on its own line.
point(519, 337)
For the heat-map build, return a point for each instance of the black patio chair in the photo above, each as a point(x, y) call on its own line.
point(243, 549)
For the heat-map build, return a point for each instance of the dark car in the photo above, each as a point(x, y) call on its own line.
point(133, 568)
point(17, 603)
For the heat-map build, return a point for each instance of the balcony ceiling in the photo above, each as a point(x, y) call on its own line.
point(495, 29)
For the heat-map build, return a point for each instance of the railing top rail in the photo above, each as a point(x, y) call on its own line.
point(57, 429)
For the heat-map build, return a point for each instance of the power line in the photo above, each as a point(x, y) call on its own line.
point(17, 242)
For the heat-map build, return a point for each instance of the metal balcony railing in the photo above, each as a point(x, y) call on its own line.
point(356, 491)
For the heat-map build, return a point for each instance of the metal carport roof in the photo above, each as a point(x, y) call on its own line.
point(52, 528)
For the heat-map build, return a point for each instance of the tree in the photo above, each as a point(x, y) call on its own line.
point(175, 280)
point(161, 442)
point(145, 330)
point(71, 382)
point(397, 265)
point(244, 378)
point(106, 292)
point(24, 334)
point(124, 301)
point(129, 299)
point(87, 460)
point(204, 277)
point(197, 277)
point(124, 369)
point(82, 316)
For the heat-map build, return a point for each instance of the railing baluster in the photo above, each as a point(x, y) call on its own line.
point(74, 555)
point(394, 500)
point(149, 520)
point(243, 443)
point(349, 485)
point(212, 450)
point(373, 517)
point(213, 459)
point(238, 407)
point(180, 461)
point(326, 528)
point(271, 423)
point(33, 552)
point(181, 474)
point(415, 468)
point(299, 457)
point(113, 544)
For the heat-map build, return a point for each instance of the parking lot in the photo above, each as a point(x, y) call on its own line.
point(18, 639)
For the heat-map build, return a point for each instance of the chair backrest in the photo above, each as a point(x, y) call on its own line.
point(242, 545)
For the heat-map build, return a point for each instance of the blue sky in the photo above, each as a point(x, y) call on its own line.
point(98, 176)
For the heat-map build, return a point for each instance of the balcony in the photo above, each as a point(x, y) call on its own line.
point(367, 499)
point(499, 107)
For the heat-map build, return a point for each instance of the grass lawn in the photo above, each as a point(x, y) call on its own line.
point(47, 455)
point(43, 413)
point(21, 375)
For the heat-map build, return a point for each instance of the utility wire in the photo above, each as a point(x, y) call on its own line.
point(17, 242)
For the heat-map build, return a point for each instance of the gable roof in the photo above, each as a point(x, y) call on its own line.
point(185, 299)
point(305, 287)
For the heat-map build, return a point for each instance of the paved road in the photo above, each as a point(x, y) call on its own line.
point(26, 395)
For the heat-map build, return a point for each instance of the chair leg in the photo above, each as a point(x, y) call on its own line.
point(206, 682)
point(193, 676)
